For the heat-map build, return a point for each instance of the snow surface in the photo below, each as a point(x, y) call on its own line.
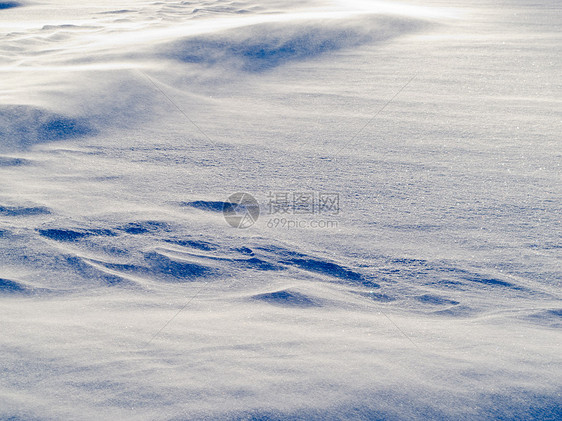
point(125, 126)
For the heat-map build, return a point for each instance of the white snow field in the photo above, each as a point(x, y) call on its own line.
point(432, 289)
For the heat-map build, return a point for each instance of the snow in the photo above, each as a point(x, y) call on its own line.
point(432, 293)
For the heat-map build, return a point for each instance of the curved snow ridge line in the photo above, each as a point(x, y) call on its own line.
point(287, 298)
point(267, 258)
point(168, 257)
point(87, 272)
point(156, 266)
point(172, 256)
point(118, 12)
point(92, 273)
point(231, 259)
point(314, 265)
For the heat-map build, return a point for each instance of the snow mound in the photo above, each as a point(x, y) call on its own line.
point(264, 46)
point(21, 127)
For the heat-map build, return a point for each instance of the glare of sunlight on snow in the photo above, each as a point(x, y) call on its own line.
point(398, 8)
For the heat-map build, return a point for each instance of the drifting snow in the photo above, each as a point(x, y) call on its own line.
point(125, 128)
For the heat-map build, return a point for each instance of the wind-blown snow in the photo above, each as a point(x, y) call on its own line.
point(125, 127)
